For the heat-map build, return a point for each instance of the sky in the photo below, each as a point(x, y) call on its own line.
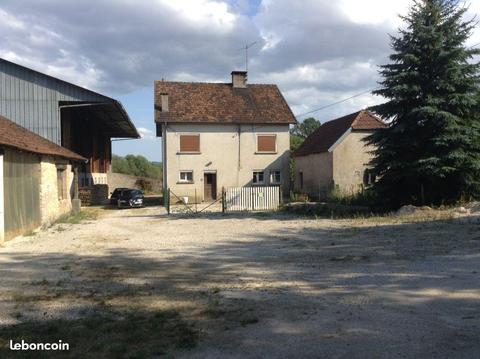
point(317, 51)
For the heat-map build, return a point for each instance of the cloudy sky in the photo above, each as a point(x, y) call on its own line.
point(317, 51)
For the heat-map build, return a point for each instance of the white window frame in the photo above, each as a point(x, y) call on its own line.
point(272, 177)
point(266, 134)
point(253, 176)
point(181, 180)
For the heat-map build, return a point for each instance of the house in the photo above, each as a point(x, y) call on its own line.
point(68, 115)
point(37, 180)
point(220, 135)
point(335, 156)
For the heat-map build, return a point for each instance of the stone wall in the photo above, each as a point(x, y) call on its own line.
point(51, 206)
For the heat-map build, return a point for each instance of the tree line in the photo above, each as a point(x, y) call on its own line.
point(136, 166)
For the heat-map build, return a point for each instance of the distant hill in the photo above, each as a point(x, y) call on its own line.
point(136, 166)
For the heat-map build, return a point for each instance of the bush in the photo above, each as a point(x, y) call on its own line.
point(144, 184)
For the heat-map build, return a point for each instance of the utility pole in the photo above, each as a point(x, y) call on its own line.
point(247, 46)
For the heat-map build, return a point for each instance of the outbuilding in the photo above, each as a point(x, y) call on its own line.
point(336, 157)
point(38, 180)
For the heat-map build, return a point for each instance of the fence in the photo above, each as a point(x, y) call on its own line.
point(235, 199)
point(252, 199)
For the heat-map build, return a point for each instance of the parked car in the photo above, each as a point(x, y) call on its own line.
point(127, 197)
point(115, 195)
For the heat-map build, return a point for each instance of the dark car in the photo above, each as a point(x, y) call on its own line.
point(116, 195)
point(127, 197)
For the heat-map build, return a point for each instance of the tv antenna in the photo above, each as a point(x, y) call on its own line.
point(246, 47)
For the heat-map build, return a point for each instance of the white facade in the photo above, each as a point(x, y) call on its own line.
point(229, 153)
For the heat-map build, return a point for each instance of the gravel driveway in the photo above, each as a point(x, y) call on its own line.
point(260, 286)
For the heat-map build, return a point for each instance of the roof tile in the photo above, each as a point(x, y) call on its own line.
point(329, 133)
point(193, 102)
point(15, 136)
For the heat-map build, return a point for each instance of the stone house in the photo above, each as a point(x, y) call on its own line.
point(37, 180)
point(336, 157)
point(71, 116)
point(220, 135)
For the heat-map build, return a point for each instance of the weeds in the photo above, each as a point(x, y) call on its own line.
point(87, 214)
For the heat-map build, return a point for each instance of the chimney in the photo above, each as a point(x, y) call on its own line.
point(164, 102)
point(239, 79)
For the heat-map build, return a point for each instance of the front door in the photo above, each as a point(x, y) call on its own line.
point(210, 186)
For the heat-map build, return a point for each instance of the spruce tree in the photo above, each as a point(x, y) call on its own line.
point(431, 152)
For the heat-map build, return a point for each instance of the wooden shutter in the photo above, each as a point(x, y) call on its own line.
point(189, 143)
point(267, 143)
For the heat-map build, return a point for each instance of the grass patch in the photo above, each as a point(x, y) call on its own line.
point(30, 233)
point(86, 214)
point(327, 210)
point(104, 334)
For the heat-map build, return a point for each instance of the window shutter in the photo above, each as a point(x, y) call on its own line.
point(189, 143)
point(266, 143)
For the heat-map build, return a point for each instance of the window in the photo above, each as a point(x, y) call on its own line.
point(61, 182)
point(275, 177)
point(267, 143)
point(368, 177)
point(190, 143)
point(300, 179)
point(186, 176)
point(258, 177)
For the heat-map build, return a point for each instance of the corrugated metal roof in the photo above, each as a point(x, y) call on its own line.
point(31, 99)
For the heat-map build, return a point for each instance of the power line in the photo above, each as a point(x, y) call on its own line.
point(352, 97)
point(334, 103)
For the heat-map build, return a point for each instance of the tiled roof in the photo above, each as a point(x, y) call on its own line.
point(191, 102)
point(330, 132)
point(15, 136)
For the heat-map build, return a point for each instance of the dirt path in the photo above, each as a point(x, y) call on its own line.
point(255, 286)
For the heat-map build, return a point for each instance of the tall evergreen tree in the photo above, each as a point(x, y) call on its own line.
point(431, 151)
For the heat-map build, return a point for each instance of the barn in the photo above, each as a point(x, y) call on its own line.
point(81, 120)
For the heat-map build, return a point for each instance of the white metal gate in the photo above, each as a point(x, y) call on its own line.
point(252, 198)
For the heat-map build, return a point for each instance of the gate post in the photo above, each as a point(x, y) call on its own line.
point(166, 199)
point(223, 200)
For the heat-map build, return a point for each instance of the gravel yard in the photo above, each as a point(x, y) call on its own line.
point(137, 283)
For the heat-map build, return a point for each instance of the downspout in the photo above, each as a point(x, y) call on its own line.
point(239, 131)
point(164, 155)
point(2, 204)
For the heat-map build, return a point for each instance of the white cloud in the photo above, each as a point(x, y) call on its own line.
point(145, 133)
point(317, 51)
point(204, 14)
point(375, 11)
